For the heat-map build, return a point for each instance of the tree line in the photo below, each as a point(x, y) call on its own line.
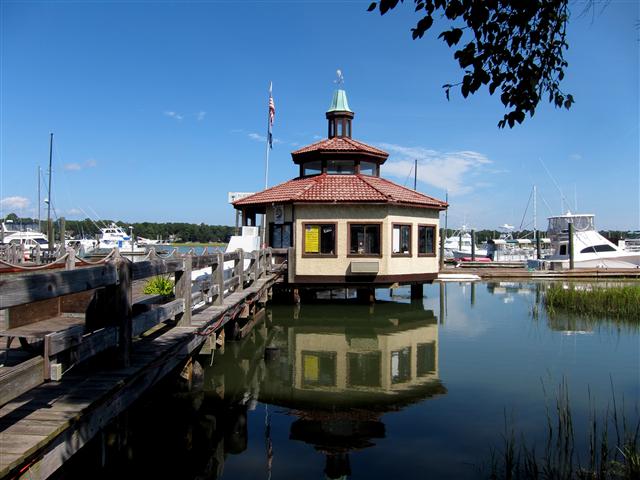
point(172, 231)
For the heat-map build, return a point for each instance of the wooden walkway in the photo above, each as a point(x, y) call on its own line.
point(44, 427)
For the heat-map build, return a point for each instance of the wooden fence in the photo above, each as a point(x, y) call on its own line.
point(77, 313)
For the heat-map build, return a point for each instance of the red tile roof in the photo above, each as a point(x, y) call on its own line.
point(340, 144)
point(340, 188)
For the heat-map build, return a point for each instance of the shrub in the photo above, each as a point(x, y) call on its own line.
point(159, 286)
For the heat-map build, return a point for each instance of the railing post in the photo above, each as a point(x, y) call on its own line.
point(70, 263)
point(269, 260)
point(183, 290)
point(218, 279)
point(256, 265)
point(240, 269)
point(122, 310)
point(291, 264)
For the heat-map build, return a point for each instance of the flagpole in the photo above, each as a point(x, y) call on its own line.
point(266, 165)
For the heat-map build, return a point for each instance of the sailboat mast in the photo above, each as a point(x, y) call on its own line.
point(535, 212)
point(39, 226)
point(415, 174)
point(49, 226)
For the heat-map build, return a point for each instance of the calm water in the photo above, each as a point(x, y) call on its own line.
point(396, 390)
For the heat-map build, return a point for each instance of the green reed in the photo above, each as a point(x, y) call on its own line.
point(612, 452)
point(611, 302)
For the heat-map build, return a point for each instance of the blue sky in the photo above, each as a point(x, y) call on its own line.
point(160, 108)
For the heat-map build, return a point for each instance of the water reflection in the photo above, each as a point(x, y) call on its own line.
point(338, 369)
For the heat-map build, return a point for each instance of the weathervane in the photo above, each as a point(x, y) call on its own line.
point(340, 79)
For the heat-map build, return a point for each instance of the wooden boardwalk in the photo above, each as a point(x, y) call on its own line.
point(43, 427)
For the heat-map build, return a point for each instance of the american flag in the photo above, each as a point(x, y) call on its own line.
point(272, 115)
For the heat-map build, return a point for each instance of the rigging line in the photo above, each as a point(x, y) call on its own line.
point(97, 216)
point(408, 176)
point(526, 209)
point(554, 182)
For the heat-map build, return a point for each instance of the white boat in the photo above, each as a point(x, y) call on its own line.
point(29, 239)
point(590, 249)
point(459, 245)
point(114, 236)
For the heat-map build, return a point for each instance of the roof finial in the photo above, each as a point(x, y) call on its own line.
point(340, 79)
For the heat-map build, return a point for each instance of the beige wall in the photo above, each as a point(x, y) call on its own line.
point(386, 344)
point(384, 213)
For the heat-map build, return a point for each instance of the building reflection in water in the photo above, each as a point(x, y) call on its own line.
point(338, 368)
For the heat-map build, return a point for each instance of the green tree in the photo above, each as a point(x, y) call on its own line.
point(514, 46)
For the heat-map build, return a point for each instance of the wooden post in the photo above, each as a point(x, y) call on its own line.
point(119, 313)
point(571, 254)
point(70, 263)
point(37, 253)
point(473, 245)
point(183, 290)
point(50, 237)
point(417, 291)
point(291, 264)
point(442, 238)
point(256, 266)
point(62, 232)
point(538, 251)
point(240, 269)
point(218, 279)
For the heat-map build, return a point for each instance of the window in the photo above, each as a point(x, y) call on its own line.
point(426, 361)
point(598, 248)
point(280, 235)
point(340, 125)
point(367, 168)
point(426, 240)
point(401, 365)
point(401, 240)
point(364, 369)
point(318, 369)
point(341, 167)
point(563, 249)
point(320, 239)
point(312, 168)
point(364, 239)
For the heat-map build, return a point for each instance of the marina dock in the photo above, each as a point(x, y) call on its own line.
point(86, 368)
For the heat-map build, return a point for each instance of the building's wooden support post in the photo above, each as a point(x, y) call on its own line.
point(291, 264)
point(183, 290)
point(417, 291)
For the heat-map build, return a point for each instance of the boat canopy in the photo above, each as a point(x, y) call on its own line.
point(581, 223)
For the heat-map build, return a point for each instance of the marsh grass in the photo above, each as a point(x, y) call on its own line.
point(612, 447)
point(620, 302)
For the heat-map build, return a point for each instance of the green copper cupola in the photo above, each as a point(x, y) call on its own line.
point(339, 115)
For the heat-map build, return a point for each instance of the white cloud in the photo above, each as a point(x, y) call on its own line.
point(74, 211)
point(74, 167)
point(174, 115)
point(257, 137)
point(200, 115)
point(452, 171)
point(575, 156)
point(261, 138)
point(15, 203)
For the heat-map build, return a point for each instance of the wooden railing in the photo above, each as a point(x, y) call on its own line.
point(112, 320)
